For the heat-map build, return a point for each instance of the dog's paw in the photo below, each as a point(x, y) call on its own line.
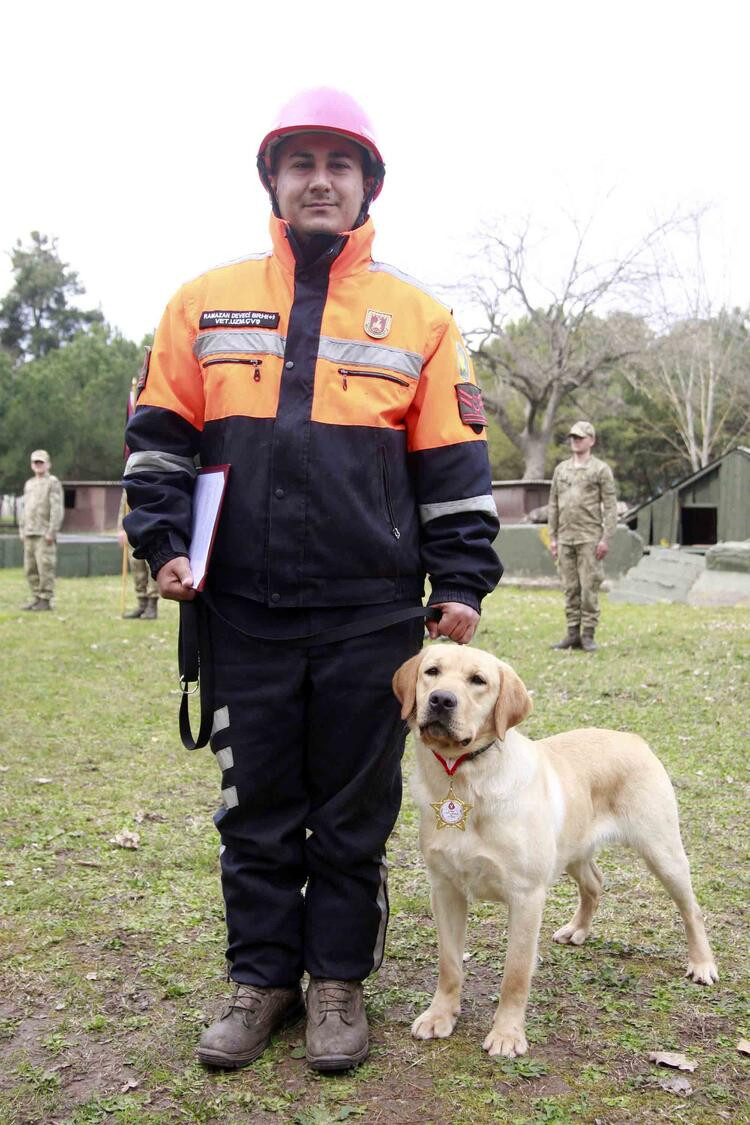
point(569, 935)
point(702, 972)
point(506, 1041)
point(435, 1023)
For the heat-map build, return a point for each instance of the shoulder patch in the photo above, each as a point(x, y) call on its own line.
point(464, 370)
point(143, 373)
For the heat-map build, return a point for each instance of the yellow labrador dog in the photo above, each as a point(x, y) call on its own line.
point(502, 817)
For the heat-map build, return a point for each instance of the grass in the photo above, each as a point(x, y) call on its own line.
point(112, 959)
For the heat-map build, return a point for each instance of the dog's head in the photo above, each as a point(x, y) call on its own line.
point(456, 697)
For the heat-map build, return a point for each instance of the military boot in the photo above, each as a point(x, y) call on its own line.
point(246, 1024)
point(150, 610)
point(39, 605)
point(588, 644)
point(139, 610)
point(32, 605)
point(337, 1032)
point(572, 639)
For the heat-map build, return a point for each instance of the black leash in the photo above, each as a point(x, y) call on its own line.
point(195, 663)
point(195, 667)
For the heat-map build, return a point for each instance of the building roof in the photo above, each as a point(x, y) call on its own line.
point(678, 485)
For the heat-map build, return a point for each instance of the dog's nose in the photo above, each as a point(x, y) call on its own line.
point(442, 701)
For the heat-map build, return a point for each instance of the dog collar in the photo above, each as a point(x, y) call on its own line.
point(450, 765)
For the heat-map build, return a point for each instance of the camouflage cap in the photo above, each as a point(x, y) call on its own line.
point(40, 455)
point(582, 429)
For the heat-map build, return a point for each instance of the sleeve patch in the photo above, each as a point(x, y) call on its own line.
point(470, 405)
point(463, 363)
point(143, 373)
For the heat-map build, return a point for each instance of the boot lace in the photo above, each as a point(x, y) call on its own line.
point(246, 998)
point(333, 996)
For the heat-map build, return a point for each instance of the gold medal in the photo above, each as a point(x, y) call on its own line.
point(451, 812)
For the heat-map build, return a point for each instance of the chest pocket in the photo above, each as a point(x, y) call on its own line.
point(565, 484)
point(241, 385)
point(350, 394)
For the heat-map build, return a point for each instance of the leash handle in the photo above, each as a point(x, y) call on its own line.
point(195, 665)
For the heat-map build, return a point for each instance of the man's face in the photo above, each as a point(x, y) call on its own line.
point(39, 467)
point(580, 444)
point(319, 183)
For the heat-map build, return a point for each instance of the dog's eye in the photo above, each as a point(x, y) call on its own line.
point(477, 679)
point(432, 671)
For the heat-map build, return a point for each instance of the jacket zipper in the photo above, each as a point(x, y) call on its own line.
point(256, 363)
point(387, 489)
point(345, 372)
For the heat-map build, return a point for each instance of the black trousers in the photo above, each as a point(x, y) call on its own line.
point(310, 742)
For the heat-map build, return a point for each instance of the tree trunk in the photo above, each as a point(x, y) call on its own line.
point(534, 450)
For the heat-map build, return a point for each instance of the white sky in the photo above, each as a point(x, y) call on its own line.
point(130, 130)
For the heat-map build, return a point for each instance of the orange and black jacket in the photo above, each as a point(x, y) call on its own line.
point(342, 396)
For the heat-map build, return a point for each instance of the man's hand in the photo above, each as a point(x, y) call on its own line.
point(602, 549)
point(122, 537)
point(553, 548)
point(50, 537)
point(458, 622)
point(175, 580)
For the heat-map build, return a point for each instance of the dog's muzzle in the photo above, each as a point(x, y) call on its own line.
point(440, 715)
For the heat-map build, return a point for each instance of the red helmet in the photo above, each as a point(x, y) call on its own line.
point(323, 111)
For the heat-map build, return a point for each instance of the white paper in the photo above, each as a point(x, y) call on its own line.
point(209, 488)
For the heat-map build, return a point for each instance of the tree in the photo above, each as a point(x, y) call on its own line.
point(36, 315)
point(540, 342)
point(698, 364)
point(73, 403)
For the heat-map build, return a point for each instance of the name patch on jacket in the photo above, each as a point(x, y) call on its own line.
point(235, 318)
point(470, 405)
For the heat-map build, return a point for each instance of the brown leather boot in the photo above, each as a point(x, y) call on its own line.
point(139, 610)
point(588, 644)
point(246, 1024)
point(337, 1032)
point(150, 609)
point(572, 639)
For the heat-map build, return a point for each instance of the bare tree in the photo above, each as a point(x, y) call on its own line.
point(698, 365)
point(539, 341)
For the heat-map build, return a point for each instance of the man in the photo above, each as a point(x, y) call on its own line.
point(43, 511)
point(582, 520)
point(146, 588)
point(341, 395)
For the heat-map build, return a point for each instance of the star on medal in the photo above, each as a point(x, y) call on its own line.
point(451, 812)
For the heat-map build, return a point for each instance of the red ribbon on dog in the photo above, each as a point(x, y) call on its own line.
point(450, 770)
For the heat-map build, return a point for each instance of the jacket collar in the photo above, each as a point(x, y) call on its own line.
point(353, 257)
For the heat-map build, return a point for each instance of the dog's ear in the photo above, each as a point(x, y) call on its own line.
point(513, 701)
point(405, 684)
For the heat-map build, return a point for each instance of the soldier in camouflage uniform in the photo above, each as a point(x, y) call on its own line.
point(42, 518)
point(582, 519)
point(146, 588)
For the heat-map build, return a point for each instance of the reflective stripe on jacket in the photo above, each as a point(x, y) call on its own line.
point(331, 388)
